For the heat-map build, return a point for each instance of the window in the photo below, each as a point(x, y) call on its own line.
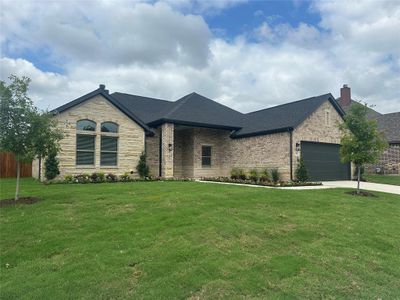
point(206, 156)
point(327, 118)
point(109, 127)
point(85, 145)
point(86, 125)
point(109, 151)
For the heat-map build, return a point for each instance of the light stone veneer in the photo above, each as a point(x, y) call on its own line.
point(131, 138)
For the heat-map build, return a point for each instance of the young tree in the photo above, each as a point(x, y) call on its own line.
point(24, 130)
point(361, 142)
point(51, 166)
point(142, 167)
point(301, 171)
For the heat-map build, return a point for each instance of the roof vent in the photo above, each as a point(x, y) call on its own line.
point(102, 86)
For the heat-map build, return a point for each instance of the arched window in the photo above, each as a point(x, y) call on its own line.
point(109, 144)
point(86, 125)
point(85, 143)
point(109, 127)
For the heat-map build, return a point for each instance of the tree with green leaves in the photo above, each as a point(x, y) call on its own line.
point(51, 166)
point(24, 130)
point(142, 167)
point(361, 142)
point(301, 171)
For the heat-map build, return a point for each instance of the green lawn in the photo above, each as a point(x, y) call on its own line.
point(388, 179)
point(187, 240)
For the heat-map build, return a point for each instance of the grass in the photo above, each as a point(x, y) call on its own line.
point(388, 179)
point(187, 240)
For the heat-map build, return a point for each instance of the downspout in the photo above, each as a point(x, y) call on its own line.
point(160, 155)
point(291, 153)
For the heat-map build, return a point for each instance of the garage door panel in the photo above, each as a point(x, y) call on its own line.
point(322, 161)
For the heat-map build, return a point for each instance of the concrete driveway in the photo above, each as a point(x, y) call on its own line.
point(370, 186)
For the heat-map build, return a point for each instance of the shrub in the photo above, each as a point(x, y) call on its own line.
point(125, 177)
point(235, 173)
point(69, 178)
point(276, 176)
point(253, 175)
point(82, 178)
point(264, 176)
point(51, 166)
point(97, 177)
point(142, 167)
point(111, 177)
point(301, 172)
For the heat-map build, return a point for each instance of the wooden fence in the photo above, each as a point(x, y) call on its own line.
point(8, 166)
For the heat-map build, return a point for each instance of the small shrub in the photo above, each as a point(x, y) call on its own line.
point(69, 178)
point(264, 176)
point(51, 166)
point(142, 167)
point(276, 176)
point(253, 175)
point(110, 177)
point(125, 177)
point(301, 172)
point(235, 173)
point(97, 177)
point(242, 174)
point(82, 178)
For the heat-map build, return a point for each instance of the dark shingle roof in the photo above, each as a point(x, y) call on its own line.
point(147, 109)
point(197, 110)
point(282, 117)
point(389, 124)
point(373, 114)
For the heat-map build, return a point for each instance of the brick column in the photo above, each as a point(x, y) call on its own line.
point(167, 150)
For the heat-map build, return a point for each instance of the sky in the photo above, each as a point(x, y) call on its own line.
point(247, 55)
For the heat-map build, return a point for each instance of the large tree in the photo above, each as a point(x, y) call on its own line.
point(24, 130)
point(361, 142)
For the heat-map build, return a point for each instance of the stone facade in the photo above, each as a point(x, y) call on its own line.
point(389, 161)
point(131, 138)
point(181, 147)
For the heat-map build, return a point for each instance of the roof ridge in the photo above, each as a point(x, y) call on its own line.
point(288, 103)
point(158, 99)
point(179, 103)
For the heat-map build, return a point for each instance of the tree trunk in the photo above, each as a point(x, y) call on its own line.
point(358, 178)
point(17, 185)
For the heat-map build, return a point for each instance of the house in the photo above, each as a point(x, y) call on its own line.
point(389, 125)
point(198, 137)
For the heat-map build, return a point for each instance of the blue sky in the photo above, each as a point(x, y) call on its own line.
point(245, 54)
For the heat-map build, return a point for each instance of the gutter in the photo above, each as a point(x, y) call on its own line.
point(291, 152)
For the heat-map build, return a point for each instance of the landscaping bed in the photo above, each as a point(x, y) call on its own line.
point(21, 200)
point(261, 183)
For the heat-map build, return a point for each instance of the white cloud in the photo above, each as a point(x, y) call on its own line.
point(159, 51)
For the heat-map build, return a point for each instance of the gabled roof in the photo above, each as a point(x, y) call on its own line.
point(373, 114)
point(101, 91)
point(283, 117)
point(197, 110)
point(389, 124)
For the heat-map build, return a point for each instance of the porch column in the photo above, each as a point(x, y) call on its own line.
point(167, 150)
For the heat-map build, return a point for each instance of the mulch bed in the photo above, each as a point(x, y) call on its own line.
point(22, 200)
point(362, 194)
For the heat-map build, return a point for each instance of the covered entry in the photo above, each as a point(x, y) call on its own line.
point(322, 161)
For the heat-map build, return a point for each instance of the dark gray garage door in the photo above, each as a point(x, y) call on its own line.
point(322, 161)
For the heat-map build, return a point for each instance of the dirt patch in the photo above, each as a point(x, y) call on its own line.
point(362, 194)
point(23, 200)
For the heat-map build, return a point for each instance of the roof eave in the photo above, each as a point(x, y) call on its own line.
point(263, 132)
point(193, 124)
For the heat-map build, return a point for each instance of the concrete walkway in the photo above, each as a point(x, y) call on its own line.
point(370, 186)
point(378, 187)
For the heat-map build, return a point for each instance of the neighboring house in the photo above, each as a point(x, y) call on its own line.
point(198, 137)
point(389, 124)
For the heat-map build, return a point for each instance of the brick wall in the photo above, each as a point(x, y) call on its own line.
point(389, 162)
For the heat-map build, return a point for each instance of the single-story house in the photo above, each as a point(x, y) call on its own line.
point(198, 137)
point(389, 125)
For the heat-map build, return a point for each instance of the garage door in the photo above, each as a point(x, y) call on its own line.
point(322, 161)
